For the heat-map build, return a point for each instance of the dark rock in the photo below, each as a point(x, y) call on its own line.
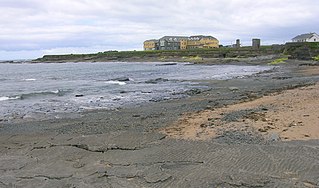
point(282, 77)
point(209, 108)
point(309, 64)
point(79, 95)
point(122, 79)
point(166, 64)
point(263, 129)
point(156, 81)
point(233, 88)
point(193, 92)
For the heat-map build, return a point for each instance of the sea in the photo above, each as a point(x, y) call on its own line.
point(30, 90)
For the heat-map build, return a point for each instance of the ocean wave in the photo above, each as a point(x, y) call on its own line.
point(8, 98)
point(115, 82)
point(39, 94)
point(29, 79)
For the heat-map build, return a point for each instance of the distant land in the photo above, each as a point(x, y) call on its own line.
point(223, 54)
point(295, 50)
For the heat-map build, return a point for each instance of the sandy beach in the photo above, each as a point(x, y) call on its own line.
point(287, 115)
point(255, 131)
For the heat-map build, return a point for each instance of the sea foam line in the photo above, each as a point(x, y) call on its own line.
point(8, 98)
point(115, 82)
point(29, 79)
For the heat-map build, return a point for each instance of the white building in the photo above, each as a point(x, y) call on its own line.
point(308, 37)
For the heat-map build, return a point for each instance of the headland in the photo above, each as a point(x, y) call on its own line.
point(302, 51)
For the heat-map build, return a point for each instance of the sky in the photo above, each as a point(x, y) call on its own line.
point(32, 28)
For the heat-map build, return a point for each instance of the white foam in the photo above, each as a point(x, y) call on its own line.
point(8, 98)
point(56, 91)
point(115, 82)
point(30, 79)
point(4, 98)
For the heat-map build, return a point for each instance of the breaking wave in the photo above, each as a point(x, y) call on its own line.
point(8, 98)
point(29, 79)
point(42, 93)
point(115, 82)
point(34, 95)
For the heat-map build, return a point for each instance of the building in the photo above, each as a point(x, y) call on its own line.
point(256, 43)
point(308, 37)
point(199, 41)
point(237, 45)
point(151, 44)
point(181, 43)
point(171, 42)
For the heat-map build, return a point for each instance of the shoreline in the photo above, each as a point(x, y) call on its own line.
point(162, 113)
point(127, 147)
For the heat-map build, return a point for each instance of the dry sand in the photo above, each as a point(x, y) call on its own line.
point(292, 115)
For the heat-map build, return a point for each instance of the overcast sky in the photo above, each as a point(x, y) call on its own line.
point(32, 28)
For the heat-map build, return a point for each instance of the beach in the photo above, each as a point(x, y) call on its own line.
point(259, 130)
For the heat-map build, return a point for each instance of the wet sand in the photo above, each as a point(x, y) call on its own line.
point(231, 135)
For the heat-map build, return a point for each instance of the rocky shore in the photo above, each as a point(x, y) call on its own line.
point(256, 131)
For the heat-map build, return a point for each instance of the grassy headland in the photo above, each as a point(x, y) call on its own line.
point(305, 51)
point(160, 55)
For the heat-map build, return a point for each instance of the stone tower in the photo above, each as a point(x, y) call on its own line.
point(237, 43)
point(256, 44)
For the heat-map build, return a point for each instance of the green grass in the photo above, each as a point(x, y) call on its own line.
point(313, 45)
point(278, 61)
point(187, 55)
point(192, 58)
point(316, 58)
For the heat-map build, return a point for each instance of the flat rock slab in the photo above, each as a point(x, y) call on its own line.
point(131, 159)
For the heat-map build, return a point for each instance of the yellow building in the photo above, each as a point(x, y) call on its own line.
point(201, 41)
point(151, 44)
point(183, 43)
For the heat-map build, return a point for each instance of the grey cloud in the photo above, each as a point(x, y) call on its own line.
point(44, 25)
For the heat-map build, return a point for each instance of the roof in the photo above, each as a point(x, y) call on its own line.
point(151, 40)
point(173, 38)
point(304, 36)
point(199, 37)
point(180, 38)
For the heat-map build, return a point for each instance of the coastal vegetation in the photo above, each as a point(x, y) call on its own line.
point(304, 51)
point(164, 55)
point(278, 61)
point(192, 58)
